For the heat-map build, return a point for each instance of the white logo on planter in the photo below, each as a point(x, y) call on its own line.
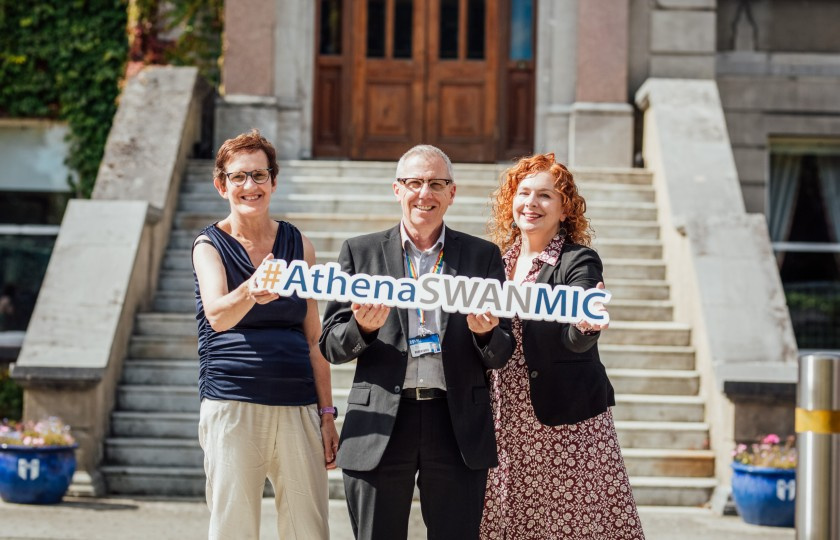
point(786, 490)
point(31, 465)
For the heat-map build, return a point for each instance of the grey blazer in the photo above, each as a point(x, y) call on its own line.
point(374, 399)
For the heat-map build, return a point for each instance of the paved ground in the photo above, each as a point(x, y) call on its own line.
point(130, 519)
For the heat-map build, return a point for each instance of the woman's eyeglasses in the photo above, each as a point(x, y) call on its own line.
point(238, 178)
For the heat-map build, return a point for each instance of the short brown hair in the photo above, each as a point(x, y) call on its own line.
point(501, 230)
point(246, 143)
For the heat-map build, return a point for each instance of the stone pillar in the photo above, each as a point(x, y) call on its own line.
point(267, 74)
point(583, 115)
point(556, 74)
point(601, 125)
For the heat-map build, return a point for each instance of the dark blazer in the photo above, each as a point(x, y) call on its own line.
point(381, 363)
point(569, 383)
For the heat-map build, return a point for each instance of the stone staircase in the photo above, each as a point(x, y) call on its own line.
point(153, 447)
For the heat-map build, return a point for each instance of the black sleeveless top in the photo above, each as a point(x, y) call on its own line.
point(265, 357)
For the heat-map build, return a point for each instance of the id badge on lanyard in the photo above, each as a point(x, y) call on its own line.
point(422, 345)
point(426, 342)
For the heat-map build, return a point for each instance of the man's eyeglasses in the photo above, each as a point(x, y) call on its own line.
point(416, 184)
point(238, 178)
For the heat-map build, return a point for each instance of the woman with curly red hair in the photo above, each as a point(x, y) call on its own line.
point(560, 473)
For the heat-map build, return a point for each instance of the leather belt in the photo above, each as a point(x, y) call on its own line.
point(423, 394)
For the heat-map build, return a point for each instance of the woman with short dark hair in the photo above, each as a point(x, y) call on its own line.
point(266, 398)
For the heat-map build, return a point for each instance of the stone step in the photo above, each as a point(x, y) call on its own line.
point(202, 171)
point(157, 326)
point(670, 435)
point(386, 205)
point(159, 452)
point(165, 372)
point(606, 230)
point(670, 491)
point(633, 407)
point(624, 381)
point(179, 259)
point(166, 324)
point(641, 269)
point(646, 333)
point(654, 408)
point(125, 424)
point(154, 481)
point(190, 481)
point(593, 190)
point(169, 399)
point(626, 244)
point(645, 356)
point(164, 347)
point(647, 491)
point(640, 310)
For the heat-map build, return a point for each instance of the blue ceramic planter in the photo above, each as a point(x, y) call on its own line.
point(764, 495)
point(36, 475)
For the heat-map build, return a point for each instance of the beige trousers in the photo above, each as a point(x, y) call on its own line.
point(245, 443)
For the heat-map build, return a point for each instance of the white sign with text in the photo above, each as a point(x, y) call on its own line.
point(537, 301)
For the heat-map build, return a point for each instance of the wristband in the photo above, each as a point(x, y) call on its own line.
point(328, 410)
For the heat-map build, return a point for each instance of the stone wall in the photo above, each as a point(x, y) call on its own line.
point(105, 263)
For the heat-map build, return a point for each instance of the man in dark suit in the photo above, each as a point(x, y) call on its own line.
point(419, 406)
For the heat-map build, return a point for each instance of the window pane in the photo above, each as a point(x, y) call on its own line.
point(330, 27)
point(448, 29)
point(522, 30)
point(23, 263)
point(815, 305)
point(475, 29)
point(376, 29)
point(403, 11)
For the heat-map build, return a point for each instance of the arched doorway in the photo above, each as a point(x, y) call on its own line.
point(454, 73)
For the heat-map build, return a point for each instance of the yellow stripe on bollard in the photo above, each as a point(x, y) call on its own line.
point(819, 421)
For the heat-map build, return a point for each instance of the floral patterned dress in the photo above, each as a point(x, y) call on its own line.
point(552, 482)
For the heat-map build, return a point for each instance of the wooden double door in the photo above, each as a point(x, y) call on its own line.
point(394, 73)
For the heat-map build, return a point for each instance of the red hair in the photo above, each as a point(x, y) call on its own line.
point(501, 227)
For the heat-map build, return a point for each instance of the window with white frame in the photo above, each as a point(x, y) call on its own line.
point(803, 217)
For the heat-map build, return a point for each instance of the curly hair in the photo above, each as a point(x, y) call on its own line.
point(246, 143)
point(501, 229)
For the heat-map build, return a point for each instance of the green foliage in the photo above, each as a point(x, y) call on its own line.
point(64, 59)
point(199, 24)
point(11, 396)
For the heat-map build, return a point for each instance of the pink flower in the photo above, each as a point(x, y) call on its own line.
point(772, 438)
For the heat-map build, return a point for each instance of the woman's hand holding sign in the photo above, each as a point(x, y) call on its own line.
point(591, 328)
point(256, 290)
point(370, 317)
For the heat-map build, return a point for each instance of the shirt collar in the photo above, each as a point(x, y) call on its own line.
point(406, 240)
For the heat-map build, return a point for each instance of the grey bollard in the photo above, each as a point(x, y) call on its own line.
point(818, 443)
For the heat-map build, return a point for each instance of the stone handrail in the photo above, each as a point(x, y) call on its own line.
point(724, 278)
point(105, 263)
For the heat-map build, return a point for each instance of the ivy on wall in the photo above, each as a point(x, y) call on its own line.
point(178, 32)
point(64, 59)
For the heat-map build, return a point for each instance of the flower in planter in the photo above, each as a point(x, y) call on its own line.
point(769, 452)
point(47, 432)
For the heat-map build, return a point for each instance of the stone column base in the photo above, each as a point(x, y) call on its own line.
point(601, 135)
point(280, 123)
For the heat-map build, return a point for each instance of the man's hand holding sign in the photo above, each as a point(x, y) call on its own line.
point(483, 300)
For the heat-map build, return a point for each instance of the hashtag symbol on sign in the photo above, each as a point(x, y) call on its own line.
point(272, 274)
